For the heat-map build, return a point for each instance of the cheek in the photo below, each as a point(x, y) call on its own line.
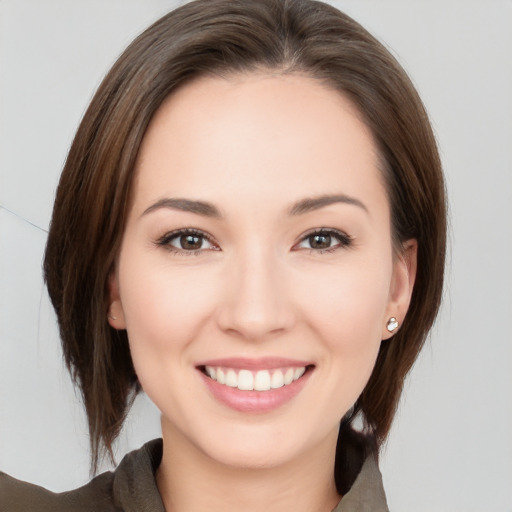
point(164, 306)
point(164, 310)
point(344, 308)
point(350, 300)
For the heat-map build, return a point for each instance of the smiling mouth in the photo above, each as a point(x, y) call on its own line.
point(260, 380)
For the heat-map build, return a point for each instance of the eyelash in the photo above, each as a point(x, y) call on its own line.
point(165, 241)
point(344, 240)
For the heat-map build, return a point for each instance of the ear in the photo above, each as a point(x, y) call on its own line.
point(402, 284)
point(115, 314)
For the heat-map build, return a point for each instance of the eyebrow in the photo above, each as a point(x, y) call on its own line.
point(186, 205)
point(207, 209)
point(314, 203)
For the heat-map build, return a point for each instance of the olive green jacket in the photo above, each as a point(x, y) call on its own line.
point(132, 488)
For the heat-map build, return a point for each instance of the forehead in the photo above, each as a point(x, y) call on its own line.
point(278, 137)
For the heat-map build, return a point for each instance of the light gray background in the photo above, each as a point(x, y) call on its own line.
point(451, 445)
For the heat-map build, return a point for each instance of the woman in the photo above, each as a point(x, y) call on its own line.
point(282, 147)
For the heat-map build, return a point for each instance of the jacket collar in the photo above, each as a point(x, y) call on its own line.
point(135, 489)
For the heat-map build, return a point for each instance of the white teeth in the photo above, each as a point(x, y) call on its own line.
point(277, 380)
point(262, 380)
point(299, 372)
point(231, 379)
point(245, 380)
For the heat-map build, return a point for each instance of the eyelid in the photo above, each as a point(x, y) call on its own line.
point(344, 239)
point(164, 241)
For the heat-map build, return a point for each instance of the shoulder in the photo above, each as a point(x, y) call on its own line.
point(367, 492)
point(131, 487)
point(18, 496)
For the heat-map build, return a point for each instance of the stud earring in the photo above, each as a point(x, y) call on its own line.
point(392, 324)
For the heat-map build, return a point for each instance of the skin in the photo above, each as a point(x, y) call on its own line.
point(253, 145)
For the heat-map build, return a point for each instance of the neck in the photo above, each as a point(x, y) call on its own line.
point(190, 481)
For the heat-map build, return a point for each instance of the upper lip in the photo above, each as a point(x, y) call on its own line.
point(261, 363)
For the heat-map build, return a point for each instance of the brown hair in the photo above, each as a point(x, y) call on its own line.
point(222, 37)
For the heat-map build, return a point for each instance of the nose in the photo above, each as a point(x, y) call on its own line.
point(256, 304)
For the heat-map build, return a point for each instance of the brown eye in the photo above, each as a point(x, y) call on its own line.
point(190, 242)
point(325, 240)
point(186, 241)
point(320, 241)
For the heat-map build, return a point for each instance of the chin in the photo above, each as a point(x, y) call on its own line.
point(256, 448)
point(247, 458)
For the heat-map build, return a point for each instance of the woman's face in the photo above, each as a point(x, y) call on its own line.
point(256, 274)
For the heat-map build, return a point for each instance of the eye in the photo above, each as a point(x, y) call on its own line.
point(186, 241)
point(325, 240)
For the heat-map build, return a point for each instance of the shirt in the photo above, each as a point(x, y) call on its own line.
point(132, 488)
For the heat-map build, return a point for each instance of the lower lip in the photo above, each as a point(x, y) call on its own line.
point(255, 401)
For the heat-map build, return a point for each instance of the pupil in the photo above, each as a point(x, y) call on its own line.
point(321, 241)
point(190, 242)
